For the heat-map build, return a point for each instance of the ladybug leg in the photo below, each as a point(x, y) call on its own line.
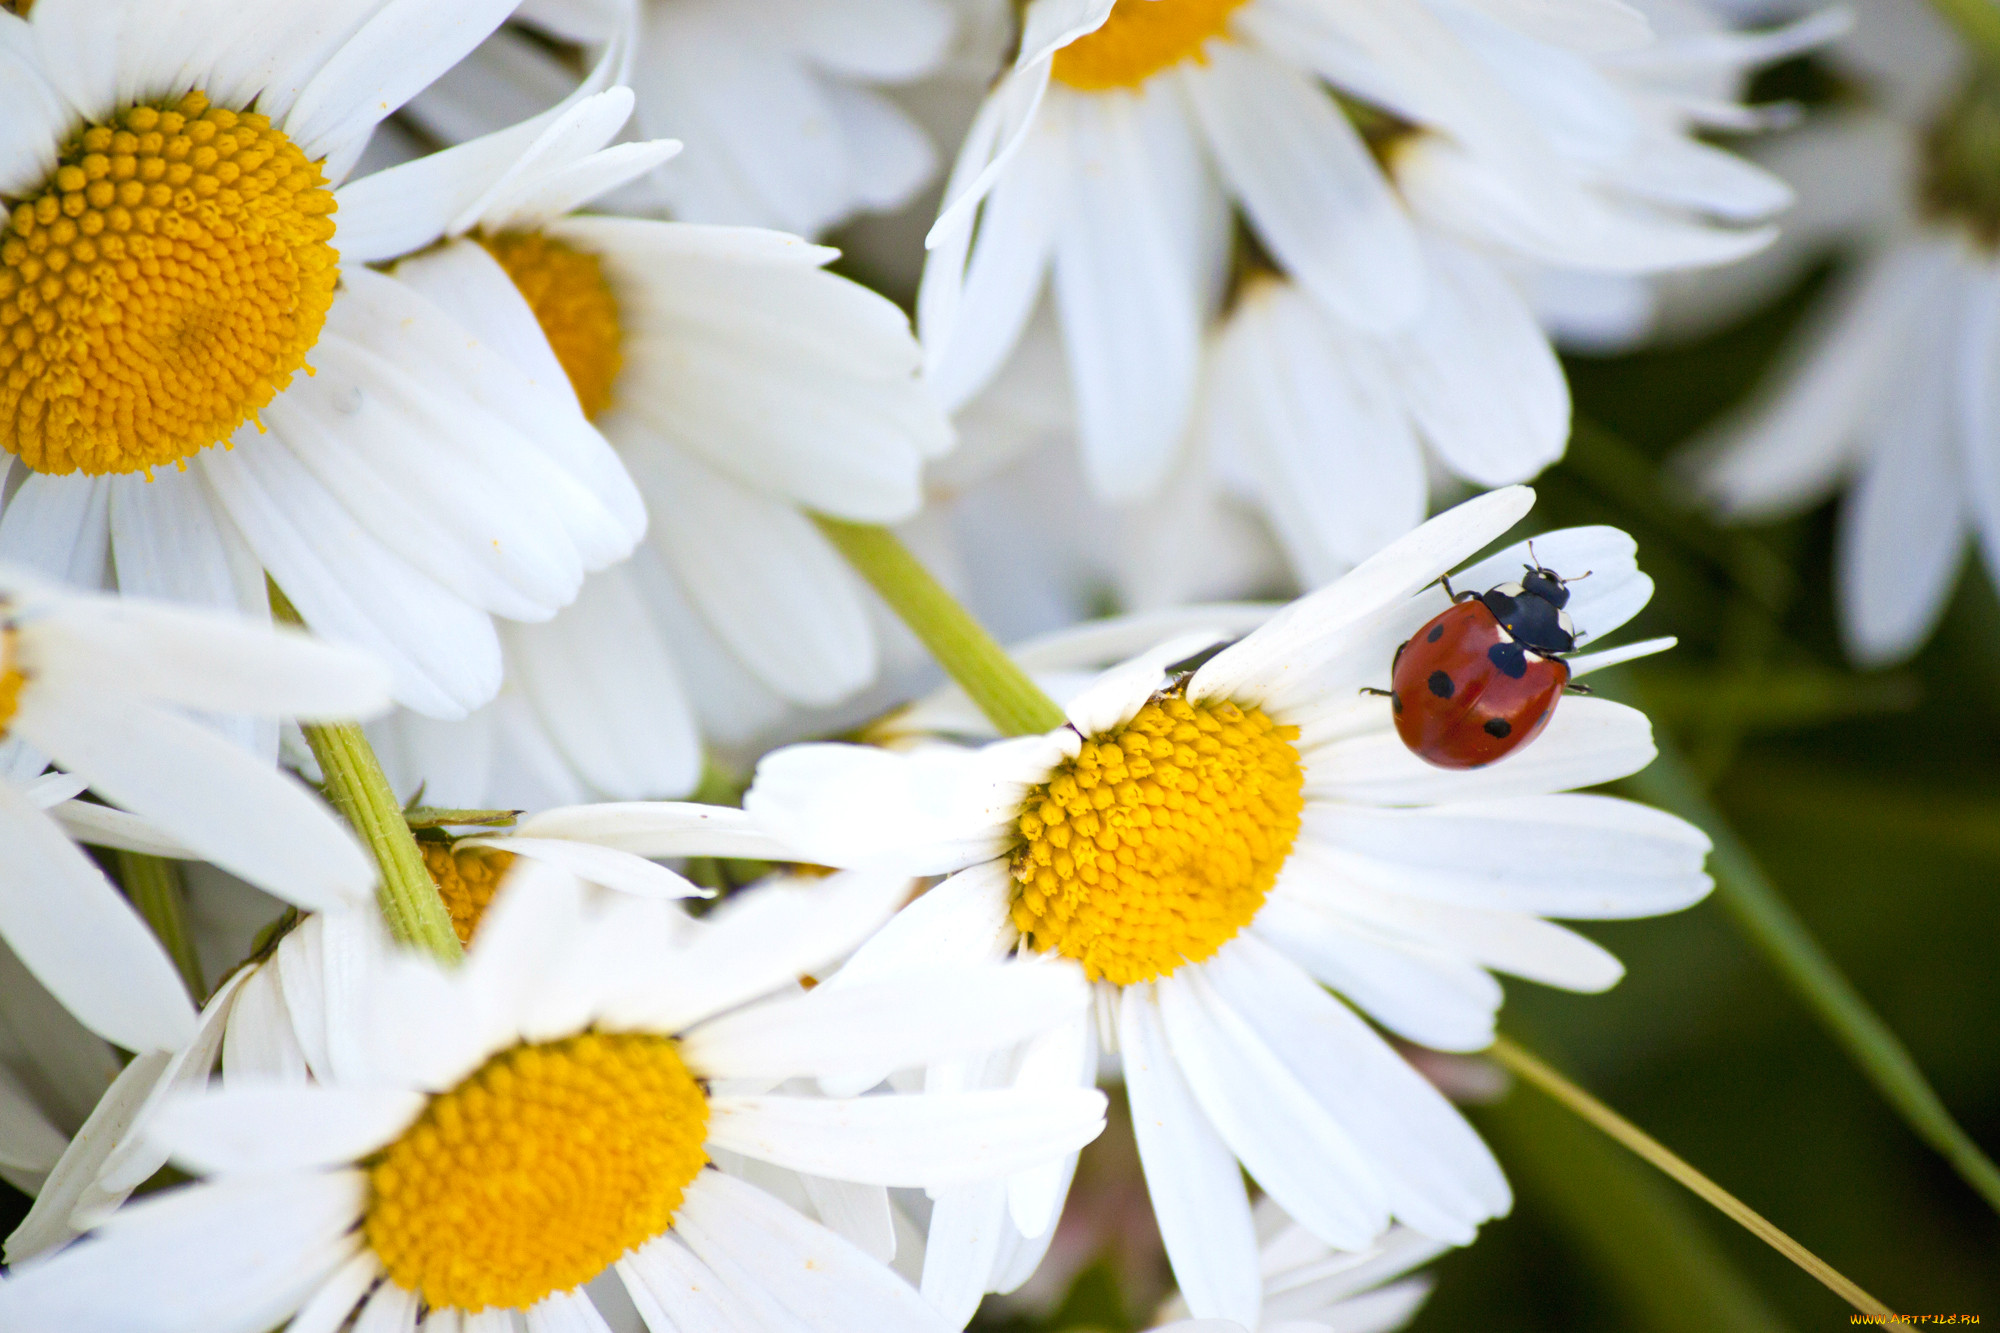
point(1370, 689)
point(1456, 597)
point(1574, 688)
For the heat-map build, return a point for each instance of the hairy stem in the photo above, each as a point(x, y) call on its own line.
point(358, 789)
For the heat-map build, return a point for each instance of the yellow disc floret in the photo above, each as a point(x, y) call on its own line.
point(575, 306)
point(11, 679)
point(1157, 843)
point(169, 279)
point(466, 878)
point(537, 1172)
point(1141, 38)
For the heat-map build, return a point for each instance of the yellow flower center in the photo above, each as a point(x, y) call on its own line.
point(537, 1172)
point(1141, 38)
point(575, 306)
point(1158, 842)
point(163, 286)
point(466, 878)
point(11, 680)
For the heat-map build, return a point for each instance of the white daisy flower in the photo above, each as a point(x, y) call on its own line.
point(1110, 155)
point(1890, 394)
point(471, 1147)
point(411, 484)
point(782, 102)
point(1212, 848)
point(1310, 1287)
point(610, 847)
point(98, 686)
point(742, 386)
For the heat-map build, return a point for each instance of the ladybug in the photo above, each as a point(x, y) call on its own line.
point(1482, 679)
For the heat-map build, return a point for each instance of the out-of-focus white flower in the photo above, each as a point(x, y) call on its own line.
point(1111, 153)
point(414, 484)
point(1891, 393)
point(1211, 848)
point(98, 686)
point(741, 384)
point(621, 1046)
point(781, 102)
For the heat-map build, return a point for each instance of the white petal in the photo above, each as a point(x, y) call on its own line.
point(966, 1228)
point(887, 1025)
point(1128, 288)
point(206, 659)
point(80, 938)
point(351, 588)
point(604, 866)
point(753, 1241)
point(48, 1224)
point(405, 45)
point(771, 936)
point(1442, 1178)
point(602, 678)
point(1191, 1175)
point(1587, 742)
point(1431, 996)
point(659, 828)
point(229, 1257)
point(1790, 449)
point(1309, 185)
point(1307, 411)
point(1479, 374)
point(244, 816)
point(1283, 1136)
point(59, 526)
point(924, 812)
point(1010, 258)
point(1116, 697)
point(765, 579)
point(564, 1312)
point(1581, 856)
point(921, 1140)
point(1279, 662)
point(246, 1128)
point(327, 1309)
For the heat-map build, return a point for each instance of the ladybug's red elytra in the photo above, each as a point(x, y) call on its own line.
point(1482, 679)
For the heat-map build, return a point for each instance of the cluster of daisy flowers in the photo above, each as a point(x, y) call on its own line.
point(422, 482)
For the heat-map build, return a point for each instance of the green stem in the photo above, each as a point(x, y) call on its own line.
point(1776, 930)
point(358, 789)
point(1644, 1145)
point(1004, 692)
point(154, 886)
point(1978, 22)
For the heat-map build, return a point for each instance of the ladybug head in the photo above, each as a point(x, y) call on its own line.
point(1547, 585)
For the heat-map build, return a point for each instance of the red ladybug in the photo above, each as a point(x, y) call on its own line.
point(1482, 679)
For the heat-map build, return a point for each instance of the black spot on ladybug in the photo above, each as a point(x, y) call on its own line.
point(1510, 658)
point(1440, 684)
point(1437, 632)
point(1498, 728)
point(1395, 702)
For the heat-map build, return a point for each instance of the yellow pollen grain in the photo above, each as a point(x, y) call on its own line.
point(11, 679)
point(466, 878)
point(167, 282)
point(575, 306)
point(537, 1172)
point(1157, 843)
point(1141, 38)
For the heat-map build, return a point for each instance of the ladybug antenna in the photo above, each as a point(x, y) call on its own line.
point(1581, 577)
